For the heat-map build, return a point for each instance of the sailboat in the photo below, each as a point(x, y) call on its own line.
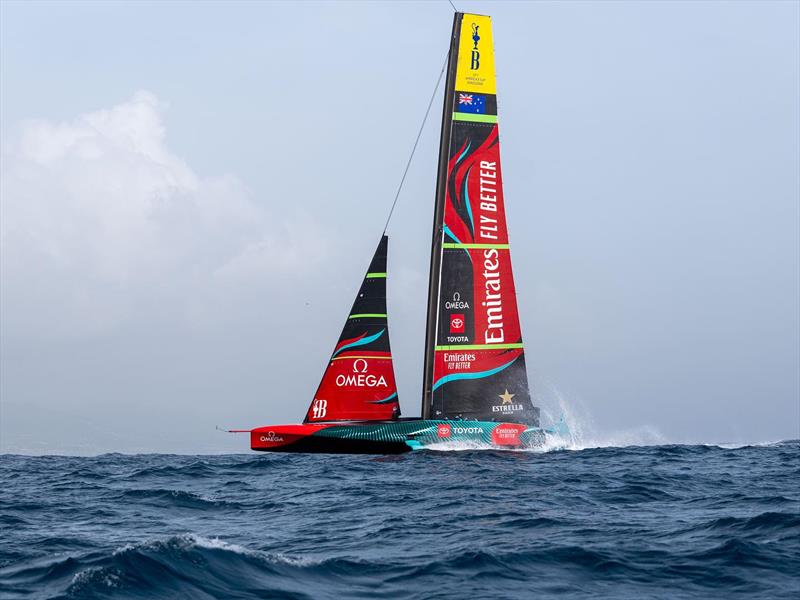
point(475, 384)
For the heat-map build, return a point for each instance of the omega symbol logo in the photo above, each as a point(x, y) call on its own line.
point(359, 377)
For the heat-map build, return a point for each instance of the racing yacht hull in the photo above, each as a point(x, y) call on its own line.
point(393, 437)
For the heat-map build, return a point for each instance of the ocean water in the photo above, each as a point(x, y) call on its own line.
point(665, 521)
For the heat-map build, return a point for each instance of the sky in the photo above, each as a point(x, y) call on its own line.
point(191, 192)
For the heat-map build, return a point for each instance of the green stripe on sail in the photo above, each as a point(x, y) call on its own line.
point(376, 275)
point(457, 116)
point(366, 315)
point(482, 347)
point(454, 245)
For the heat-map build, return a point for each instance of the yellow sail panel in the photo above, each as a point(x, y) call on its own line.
point(475, 71)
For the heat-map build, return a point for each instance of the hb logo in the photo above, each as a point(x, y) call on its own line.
point(319, 408)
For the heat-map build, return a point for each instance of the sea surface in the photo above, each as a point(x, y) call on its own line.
point(670, 521)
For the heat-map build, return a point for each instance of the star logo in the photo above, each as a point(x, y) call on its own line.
point(506, 398)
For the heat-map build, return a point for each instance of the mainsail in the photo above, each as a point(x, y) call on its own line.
point(359, 383)
point(474, 359)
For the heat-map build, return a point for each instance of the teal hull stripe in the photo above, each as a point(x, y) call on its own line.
point(418, 434)
point(480, 375)
point(361, 342)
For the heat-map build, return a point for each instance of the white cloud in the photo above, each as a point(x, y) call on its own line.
point(98, 216)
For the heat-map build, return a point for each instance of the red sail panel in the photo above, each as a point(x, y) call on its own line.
point(359, 383)
point(478, 359)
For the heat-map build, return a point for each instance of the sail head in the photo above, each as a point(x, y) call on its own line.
point(359, 383)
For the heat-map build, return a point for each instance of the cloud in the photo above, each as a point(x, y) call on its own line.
point(99, 220)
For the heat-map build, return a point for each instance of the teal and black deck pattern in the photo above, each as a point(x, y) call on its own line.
point(395, 437)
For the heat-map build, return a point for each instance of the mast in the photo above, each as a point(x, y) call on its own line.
point(434, 277)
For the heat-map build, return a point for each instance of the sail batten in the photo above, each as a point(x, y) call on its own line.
point(474, 361)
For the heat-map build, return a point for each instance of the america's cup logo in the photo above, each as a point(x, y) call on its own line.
point(475, 61)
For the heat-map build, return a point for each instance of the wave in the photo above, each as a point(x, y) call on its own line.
point(185, 565)
point(768, 522)
point(191, 566)
point(637, 521)
point(168, 498)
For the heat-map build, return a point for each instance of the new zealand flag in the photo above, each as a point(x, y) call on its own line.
point(471, 103)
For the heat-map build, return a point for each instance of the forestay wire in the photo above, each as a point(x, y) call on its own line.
point(419, 134)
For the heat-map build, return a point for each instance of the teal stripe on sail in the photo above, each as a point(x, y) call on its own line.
point(466, 201)
point(458, 243)
point(464, 153)
point(451, 234)
point(361, 342)
point(480, 375)
point(385, 400)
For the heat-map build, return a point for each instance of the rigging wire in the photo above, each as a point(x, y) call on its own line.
point(419, 134)
point(453, 5)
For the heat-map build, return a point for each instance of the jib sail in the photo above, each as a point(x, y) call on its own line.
point(474, 360)
point(359, 383)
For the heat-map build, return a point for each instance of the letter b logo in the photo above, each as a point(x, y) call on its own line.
point(475, 63)
point(319, 409)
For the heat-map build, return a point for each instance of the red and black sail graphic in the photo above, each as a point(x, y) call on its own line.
point(359, 383)
point(475, 361)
